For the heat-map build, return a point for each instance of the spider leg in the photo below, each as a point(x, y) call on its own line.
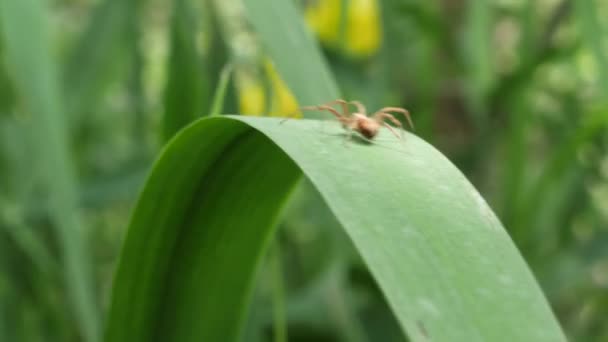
point(380, 116)
point(392, 130)
point(318, 108)
point(342, 103)
point(338, 116)
point(360, 107)
point(327, 107)
point(405, 113)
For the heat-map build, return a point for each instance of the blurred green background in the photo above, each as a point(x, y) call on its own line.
point(514, 92)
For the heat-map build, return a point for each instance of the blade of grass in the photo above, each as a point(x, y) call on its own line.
point(7, 96)
point(184, 95)
point(207, 212)
point(558, 166)
point(340, 308)
point(28, 241)
point(135, 89)
point(28, 50)
point(278, 294)
point(220, 92)
point(516, 156)
point(5, 295)
point(478, 54)
point(293, 50)
point(95, 58)
point(528, 21)
point(594, 35)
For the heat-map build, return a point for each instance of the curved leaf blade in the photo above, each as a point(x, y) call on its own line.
point(449, 270)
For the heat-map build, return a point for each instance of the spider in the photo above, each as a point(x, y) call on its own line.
point(367, 126)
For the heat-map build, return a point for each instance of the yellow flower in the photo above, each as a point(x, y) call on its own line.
point(283, 103)
point(323, 16)
point(363, 30)
point(253, 97)
point(252, 100)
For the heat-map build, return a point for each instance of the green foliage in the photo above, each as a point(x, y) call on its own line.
point(173, 302)
point(95, 58)
point(593, 33)
point(201, 227)
point(185, 98)
point(26, 35)
point(512, 92)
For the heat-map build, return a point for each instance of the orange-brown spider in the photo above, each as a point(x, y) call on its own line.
point(367, 126)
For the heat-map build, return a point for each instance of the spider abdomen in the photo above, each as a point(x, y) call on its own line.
point(367, 127)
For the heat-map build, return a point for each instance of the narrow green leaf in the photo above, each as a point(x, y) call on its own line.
point(560, 163)
point(5, 294)
point(477, 53)
point(278, 294)
point(448, 269)
point(293, 50)
point(184, 93)
point(27, 41)
point(516, 155)
point(31, 244)
point(136, 91)
point(7, 95)
point(594, 35)
point(95, 57)
point(220, 91)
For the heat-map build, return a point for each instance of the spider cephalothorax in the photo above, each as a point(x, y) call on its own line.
point(367, 126)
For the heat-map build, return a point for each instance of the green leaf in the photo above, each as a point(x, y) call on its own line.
point(95, 57)
point(7, 94)
point(27, 240)
point(293, 50)
point(26, 35)
point(219, 97)
point(594, 35)
point(184, 94)
point(478, 54)
point(448, 269)
point(529, 42)
point(553, 175)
